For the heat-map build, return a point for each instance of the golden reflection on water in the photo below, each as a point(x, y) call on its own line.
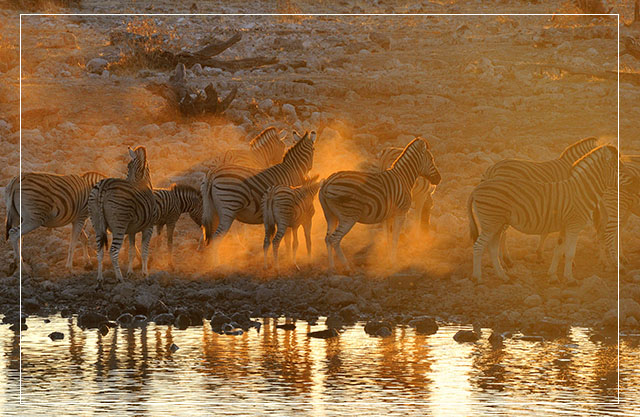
point(139, 367)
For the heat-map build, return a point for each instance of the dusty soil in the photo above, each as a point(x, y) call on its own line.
point(479, 88)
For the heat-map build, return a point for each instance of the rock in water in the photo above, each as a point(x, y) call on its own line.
point(125, 319)
point(91, 320)
point(463, 336)
point(425, 325)
point(496, 339)
point(324, 334)
point(104, 329)
point(383, 332)
point(164, 318)
point(286, 326)
point(372, 327)
point(173, 347)
point(182, 321)
point(56, 336)
point(333, 322)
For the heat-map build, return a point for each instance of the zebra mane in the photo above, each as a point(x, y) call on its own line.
point(580, 148)
point(289, 153)
point(596, 153)
point(410, 148)
point(268, 135)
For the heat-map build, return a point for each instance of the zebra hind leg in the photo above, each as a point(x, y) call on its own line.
point(494, 249)
point(269, 231)
point(571, 240)
point(146, 240)
point(478, 249)
point(336, 237)
point(114, 252)
point(282, 231)
point(15, 237)
point(505, 257)
point(76, 229)
point(332, 224)
point(170, 230)
point(132, 244)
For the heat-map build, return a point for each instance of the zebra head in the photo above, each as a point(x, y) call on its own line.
point(300, 154)
point(600, 166)
point(578, 149)
point(271, 144)
point(138, 168)
point(427, 166)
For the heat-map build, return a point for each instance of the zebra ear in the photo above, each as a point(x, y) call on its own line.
point(132, 153)
point(312, 136)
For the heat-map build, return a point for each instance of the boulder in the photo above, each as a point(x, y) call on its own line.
point(424, 325)
point(56, 336)
point(324, 334)
point(97, 65)
point(463, 336)
point(91, 320)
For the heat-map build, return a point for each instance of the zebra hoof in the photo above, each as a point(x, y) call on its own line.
point(571, 282)
point(553, 279)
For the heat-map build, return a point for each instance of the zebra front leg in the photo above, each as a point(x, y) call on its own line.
point(132, 244)
point(100, 255)
point(294, 231)
point(15, 236)
point(540, 248)
point(555, 261)
point(170, 229)
point(146, 240)
point(398, 222)
point(307, 237)
point(504, 255)
point(114, 251)
point(332, 224)
point(571, 241)
point(425, 220)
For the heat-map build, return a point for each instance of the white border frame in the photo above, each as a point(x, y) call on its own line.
point(331, 14)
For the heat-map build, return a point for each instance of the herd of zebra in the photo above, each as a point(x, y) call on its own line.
point(269, 184)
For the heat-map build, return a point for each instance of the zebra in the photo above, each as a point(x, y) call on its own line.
point(617, 203)
point(231, 193)
point(547, 171)
point(49, 200)
point(536, 208)
point(350, 197)
point(124, 207)
point(288, 207)
point(171, 203)
point(421, 193)
point(265, 150)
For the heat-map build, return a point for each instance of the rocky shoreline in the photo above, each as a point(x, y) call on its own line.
point(229, 304)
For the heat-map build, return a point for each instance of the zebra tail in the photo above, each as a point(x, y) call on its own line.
point(13, 216)
point(99, 222)
point(473, 227)
point(207, 210)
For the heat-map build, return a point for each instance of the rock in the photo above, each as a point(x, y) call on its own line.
point(30, 305)
point(610, 321)
point(286, 326)
point(113, 312)
point(97, 65)
point(549, 328)
point(197, 69)
point(91, 320)
point(145, 301)
point(104, 329)
point(47, 321)
point(383, 331)
point(140, 320)
point(380, 39)
point(182, 321)
point(496, 339)
point(56, 336)
point(631, 323)
point(350, 313)
point(324, 334)
point(151, 130)
point(125, 319)
point(629, 308)
point(533, 300)
point(234, 332)
point(289, 111)
point(373, 326)
point(594, 288)
point(334, 322)
point(463, 336)
point(337, 297)
point(164, 319)
point(218, 320)
point(242, 317)
point(424, 325)
point(173, 347)
point(265, 105)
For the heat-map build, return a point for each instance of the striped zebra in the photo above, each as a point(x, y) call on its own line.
point(125, 207)
point(286, 208)
point(421, 193)
point(540, 208)
point(171, 203)
point(265, 150)
point(618, 203)
point(350, 197)
point(49, 200)
point(234, 192)
point(547, 171)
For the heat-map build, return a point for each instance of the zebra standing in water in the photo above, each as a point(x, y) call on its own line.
point(288, 207)
point(125, 207)
point(350, 197)
point(231, 193)
point(265, 150)
point(171, 203)
point(540, 208)
point(49, 200)
point(548, 171)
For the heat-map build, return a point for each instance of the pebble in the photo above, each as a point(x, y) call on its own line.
point(56, 336)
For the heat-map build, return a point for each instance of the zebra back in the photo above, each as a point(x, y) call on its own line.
point(297, 162)
point(546, 171)
point(178, 199)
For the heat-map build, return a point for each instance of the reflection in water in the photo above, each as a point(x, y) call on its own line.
point(287, 368)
